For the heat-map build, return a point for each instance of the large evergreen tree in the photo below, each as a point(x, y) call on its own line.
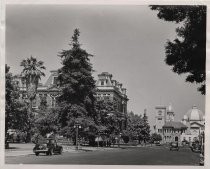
point(145, 129)
point(187, 53)
point(77, 84)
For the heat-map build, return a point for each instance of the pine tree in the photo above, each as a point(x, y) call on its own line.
point(145, 132)
point(77, 84)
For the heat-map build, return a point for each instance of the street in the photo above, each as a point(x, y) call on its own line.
point(155, 155)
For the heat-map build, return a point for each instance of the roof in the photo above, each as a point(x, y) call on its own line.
point(195, 114)
point(175, 125)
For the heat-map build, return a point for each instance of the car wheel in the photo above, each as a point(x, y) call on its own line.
point(61, 150)
point(37, 154)
point(51, 151)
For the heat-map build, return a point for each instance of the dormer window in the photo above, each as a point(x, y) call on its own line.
point(160, 113)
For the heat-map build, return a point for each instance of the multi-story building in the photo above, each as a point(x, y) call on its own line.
point(189, 129)
point(165, 125)
point(108, 88)
point(105, 87)
point(194, 119)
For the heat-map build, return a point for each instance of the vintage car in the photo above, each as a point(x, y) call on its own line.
point(196, 147)
point(157, 143)
point(48, 147)
point(201, 160)
point(174, 146)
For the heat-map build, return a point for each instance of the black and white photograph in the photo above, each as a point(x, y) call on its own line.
point(104, 84)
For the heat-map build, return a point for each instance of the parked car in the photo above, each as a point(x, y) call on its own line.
point(157, 143)
point(174, 146)
point(201, 160)
point(196, 147)
point(185, 142)
point(48, 147)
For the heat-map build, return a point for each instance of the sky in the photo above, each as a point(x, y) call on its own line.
point(126, 41)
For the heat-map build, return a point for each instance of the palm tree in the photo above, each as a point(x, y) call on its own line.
point(31, 74)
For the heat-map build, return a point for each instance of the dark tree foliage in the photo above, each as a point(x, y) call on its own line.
point(47, 122)
point(137, 127)
point(109, 120)
point(16, 116)
point(155, 137)
point(43, 103)
point(186, 53)
point(145, 130)
point(77, 84)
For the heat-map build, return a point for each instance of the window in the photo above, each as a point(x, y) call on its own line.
point(159, 113)
point(102, 83)
point(55, 80)
point(159, 118)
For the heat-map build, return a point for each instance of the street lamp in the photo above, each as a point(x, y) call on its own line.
point(119, 139)
point(77, 126)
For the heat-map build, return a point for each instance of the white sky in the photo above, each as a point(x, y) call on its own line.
point(126, 41)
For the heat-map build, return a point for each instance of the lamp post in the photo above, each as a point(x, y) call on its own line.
point(119, 139)
point(77, 126)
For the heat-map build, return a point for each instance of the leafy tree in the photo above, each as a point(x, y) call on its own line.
point(134, 125)
point(155, 137)
point(109, 119)
point(77, 84)
point(43, 103)
point(16, 116)
point(31, 74)
point(187, 53)
point(47, 122)
point(137, 127)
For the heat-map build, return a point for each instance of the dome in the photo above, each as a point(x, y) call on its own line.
point(195, 114)
point(185, 117)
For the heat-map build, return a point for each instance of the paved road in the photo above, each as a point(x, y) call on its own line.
point(128, 156)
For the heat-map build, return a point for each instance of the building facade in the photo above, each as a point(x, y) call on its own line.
point(189, 128)
point(113, 90)
point(49, 92)
point(194, 119)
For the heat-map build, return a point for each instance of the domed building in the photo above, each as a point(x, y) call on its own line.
point(195, 121)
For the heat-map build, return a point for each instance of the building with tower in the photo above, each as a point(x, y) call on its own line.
point(165, 125)
point(190, 128)
point(194, 119)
